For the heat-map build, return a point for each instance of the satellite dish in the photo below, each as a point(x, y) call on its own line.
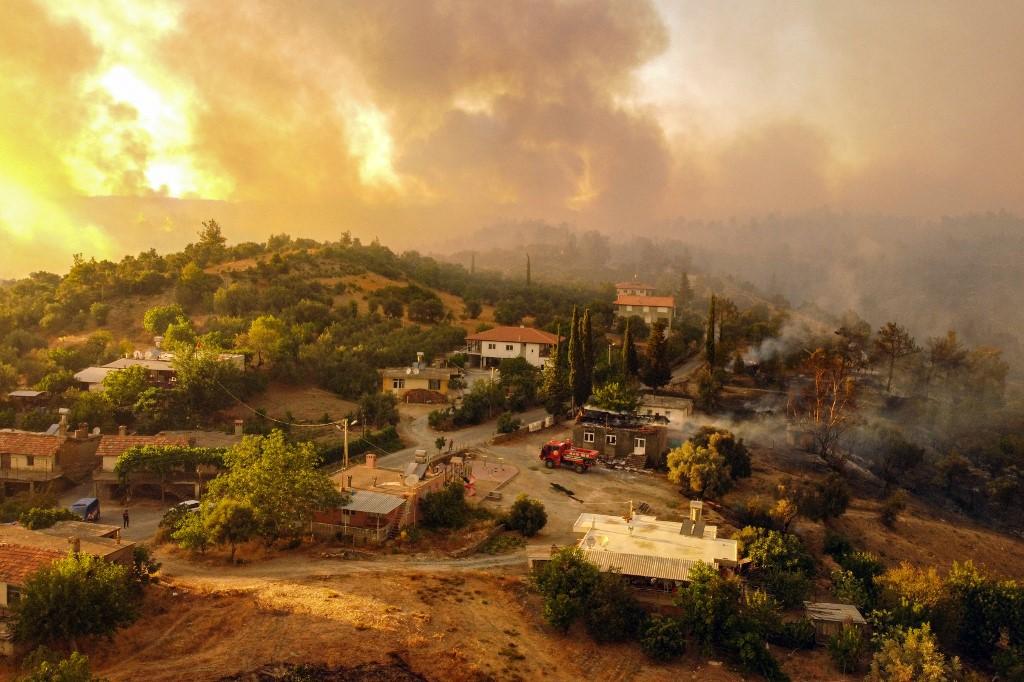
point(604, 541)
point(591, 541)
point(411, 480)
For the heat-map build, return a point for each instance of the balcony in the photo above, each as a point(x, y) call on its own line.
point(26, 475)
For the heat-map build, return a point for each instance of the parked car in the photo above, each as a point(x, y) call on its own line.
point(188, 505)
point(88, 508)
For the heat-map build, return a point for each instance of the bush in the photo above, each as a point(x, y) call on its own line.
point(12, 508)
point(823, 501)
point(845, 648)
point(44, 665)
point(849, 589)
point(912, 654)
point(772, 550)
point(891, 509)
point(796, 634)
point(837, 545)
point(709, 605)
point(613, 614)
point(663, 639)
point(445, 508)
point(38, 518)
point(508, 423)
point(752, 654)
point(736, 454)
point(527, 516)
point(790, 588)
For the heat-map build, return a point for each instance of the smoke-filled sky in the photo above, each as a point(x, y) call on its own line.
point(124, 123)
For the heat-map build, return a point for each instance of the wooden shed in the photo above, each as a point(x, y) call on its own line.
point(830, 619)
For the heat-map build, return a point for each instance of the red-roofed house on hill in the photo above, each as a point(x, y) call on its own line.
point(29, 461)
point(645, 306)
point(489, 348)
point(106, 482)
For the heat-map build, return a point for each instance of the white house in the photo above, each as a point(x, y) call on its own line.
point(489, 348)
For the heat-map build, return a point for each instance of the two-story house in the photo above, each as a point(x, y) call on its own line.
point(636, 298)
point(39, 460)
point(106, 482)
point(489, 348)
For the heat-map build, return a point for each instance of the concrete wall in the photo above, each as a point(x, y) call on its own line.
point(655, 441)
point(501, 351)
point(647, 313)
point(412, 382)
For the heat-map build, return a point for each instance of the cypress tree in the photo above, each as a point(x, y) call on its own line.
point(587, 345)
point(685, 292)
point(709, 335)
point(657, 369)
point(527, 269)
point(555, 386)
point(575, 357)
point(630, 360)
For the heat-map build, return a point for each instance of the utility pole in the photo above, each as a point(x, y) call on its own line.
point(344, 429)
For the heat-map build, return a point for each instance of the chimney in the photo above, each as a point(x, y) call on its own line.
point(122, 430)
point(696, 510)
point(239, 426)
point(75, 544)
point(157, 341)
point(82, 432)
point(62, 429)
point(371, 460)
point(419, 359)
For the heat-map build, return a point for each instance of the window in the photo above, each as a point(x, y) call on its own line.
point(662, 309)
point(509, 346)
point(629, 308)
point(491, 346)
point(30, 460)
point(13, 595)
point(398, 383)
point(639, 446)
point(611, 439)
point(647, 308)
point(434, 384)
point(588, 436)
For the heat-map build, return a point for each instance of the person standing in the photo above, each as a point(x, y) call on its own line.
point(124, 519)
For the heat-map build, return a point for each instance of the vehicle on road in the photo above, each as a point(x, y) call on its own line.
point(88, 508)
point(562, 453)
point(188, 505)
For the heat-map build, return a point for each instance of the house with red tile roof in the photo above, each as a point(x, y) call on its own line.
point(41, 460)
point(180, 483)
point(488, 348)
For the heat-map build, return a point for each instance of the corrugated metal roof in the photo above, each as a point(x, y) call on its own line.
point(373, 503)
point(25, 394)
point(645, 566)
point(838, 613)
point(93, 375)
point(155, 365)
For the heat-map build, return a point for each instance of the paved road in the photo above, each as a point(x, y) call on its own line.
point(415, 430)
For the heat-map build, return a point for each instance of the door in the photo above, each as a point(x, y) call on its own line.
point(639, 446)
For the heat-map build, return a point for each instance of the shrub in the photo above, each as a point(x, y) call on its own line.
point(756, 513)
point(796, 634)
point(38, 518)
point(752, 654)
point(891, 509)
point(845, 648)
point(191, 533)
point(613, 614)
point(662, 639)
point(736, 454)
point(44, 665)
point(823, 501)
point(700, 470)
point(709, 604)
point(12, 508)
point(772, 550)
point(508, 423)
point(837, 545)
point(527, 516)
point(445, 508)
point(912, 655)
point(790, 588)
point(849, 589)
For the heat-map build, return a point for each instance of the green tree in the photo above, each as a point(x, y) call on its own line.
point(709, 337)
point(8, 378)
point(892, 343)
point(566, 583)
point(379, 409)
point(897, 457)
point(520, 381)
point(701, 470)
point(613, 614)
point(445, 508)
point(190, 532)
point(657, 370)
point(439, 443)
point(577, 364)
point(555, 380)
point(527, 269)
point(156, 320)
point(269, 337)
point(527, 516)
point(124, 386)
point(281, 481)
point(103, 600)
point(616, 396)
point(710, 605)
point(735, 452)
point(211, 246)
point(587, 348)
point(179, 334)
point(473, 309)
point(891, 508)
point(663, 639)
point(231, 523)
point(846, 648)
point(92, 408)
point(630, 359)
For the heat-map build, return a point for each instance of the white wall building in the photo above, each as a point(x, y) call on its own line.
point(489, 348)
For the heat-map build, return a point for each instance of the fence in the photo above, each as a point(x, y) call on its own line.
point(364, 535)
